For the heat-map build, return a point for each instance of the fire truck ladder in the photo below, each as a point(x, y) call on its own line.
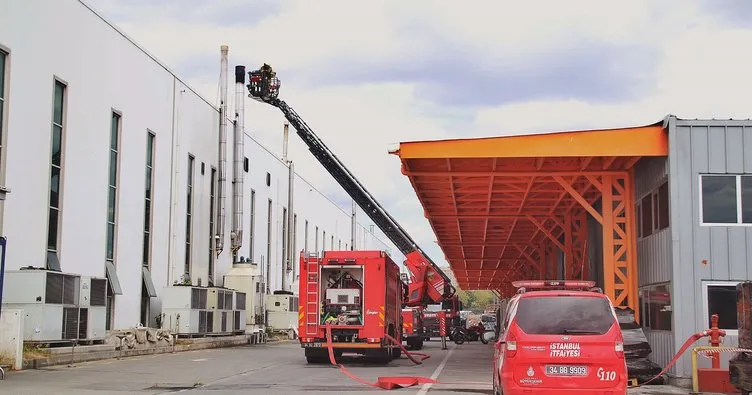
point(367, 202)
point(312, 296)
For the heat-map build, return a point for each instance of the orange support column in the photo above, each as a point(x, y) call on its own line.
point(617, 218)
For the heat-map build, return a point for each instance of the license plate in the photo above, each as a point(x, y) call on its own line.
point(312, 345)
point(566, 370)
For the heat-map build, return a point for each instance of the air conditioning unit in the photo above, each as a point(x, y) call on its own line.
point(221, 301)
point(186, 310)
point(245, 279)
point(57, 306)
point(282, 311)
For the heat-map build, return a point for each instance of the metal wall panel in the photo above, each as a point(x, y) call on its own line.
point(700, 147)
point(662, 344)
point(654, 251)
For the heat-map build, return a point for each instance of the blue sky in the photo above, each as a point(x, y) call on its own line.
point(367, 75)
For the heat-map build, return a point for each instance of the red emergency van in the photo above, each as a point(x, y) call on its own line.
point(559, 337)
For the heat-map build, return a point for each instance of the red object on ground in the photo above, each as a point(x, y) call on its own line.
point(715, 380)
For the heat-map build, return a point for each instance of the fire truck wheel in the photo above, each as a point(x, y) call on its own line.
point(316, 356)
point(396, 353)
point(419, 344)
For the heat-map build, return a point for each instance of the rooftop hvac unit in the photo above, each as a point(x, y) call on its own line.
point(57, 306)
point(186, 310)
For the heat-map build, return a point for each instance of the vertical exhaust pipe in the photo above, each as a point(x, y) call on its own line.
point(238, 161)
point(287, 267)
point(219, 232)
point(285, 137)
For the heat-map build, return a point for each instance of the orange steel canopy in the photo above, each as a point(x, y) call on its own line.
point(506, 208)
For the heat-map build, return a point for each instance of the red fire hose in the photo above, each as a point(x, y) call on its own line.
point(395, 382)
point(691, 340)
point(389, 382)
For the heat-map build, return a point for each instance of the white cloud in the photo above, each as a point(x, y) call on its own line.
point(700, 68)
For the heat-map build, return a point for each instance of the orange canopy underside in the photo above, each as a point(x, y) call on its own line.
point(488, 199)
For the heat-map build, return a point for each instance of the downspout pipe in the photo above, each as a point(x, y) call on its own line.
point(219, 231)
point(238, 160)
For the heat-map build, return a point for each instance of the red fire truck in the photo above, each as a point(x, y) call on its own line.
point(412, 327)
point(333, 293)
point(428, 283)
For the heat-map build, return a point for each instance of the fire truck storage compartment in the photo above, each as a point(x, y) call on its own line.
point(342, 295)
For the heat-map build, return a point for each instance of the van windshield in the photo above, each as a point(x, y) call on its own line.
point(564, 315)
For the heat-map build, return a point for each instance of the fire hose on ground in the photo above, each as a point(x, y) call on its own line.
point(395, 382)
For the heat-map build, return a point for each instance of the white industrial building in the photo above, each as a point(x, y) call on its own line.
point(111, 161)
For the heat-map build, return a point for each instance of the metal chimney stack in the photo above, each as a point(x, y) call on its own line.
point(219, 231)
point(238, 161)
point(285, 137)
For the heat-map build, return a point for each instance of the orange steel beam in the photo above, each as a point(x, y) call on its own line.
point(503, 173)
point(454, 201)
point(519, 210)
point(568, 248)
point(488, 206)
point(619, 246)
point(546, 232)
point(651, 140)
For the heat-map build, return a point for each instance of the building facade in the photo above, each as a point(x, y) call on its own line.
point(112, 162)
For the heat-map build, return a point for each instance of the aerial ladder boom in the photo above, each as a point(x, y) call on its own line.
point(429, 283)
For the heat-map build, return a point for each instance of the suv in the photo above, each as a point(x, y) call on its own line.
point(564, 338)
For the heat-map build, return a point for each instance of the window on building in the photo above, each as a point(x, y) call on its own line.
point(212, 232)
point(189, 219)
point(723, 199)
point(662, 207)
point(323, 241)
point(331, 244)
point(252, 226)
point(653, 211)
point(148, 207)
point(316, 241)
point(656, 307)
point(112, 192)
point(3, 71)
point(112, 206)
point(720, 298)
point(285, 240)
point(646, 221)
point(56, 181)
point(146, 258)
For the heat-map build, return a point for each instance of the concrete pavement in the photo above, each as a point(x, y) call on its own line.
point(260, 369)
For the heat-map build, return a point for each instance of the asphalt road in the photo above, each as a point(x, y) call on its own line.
point(264, 369)
point(259, 369)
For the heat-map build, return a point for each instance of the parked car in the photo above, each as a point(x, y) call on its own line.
point(563, 338)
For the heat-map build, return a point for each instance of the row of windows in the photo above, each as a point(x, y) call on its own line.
point(717, 297)
point(653, 211)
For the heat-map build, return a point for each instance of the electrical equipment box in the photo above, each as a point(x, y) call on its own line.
point(57, 306)
point(282, 311)
point(245, 278)
point(186, 311)
point(343, 297)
